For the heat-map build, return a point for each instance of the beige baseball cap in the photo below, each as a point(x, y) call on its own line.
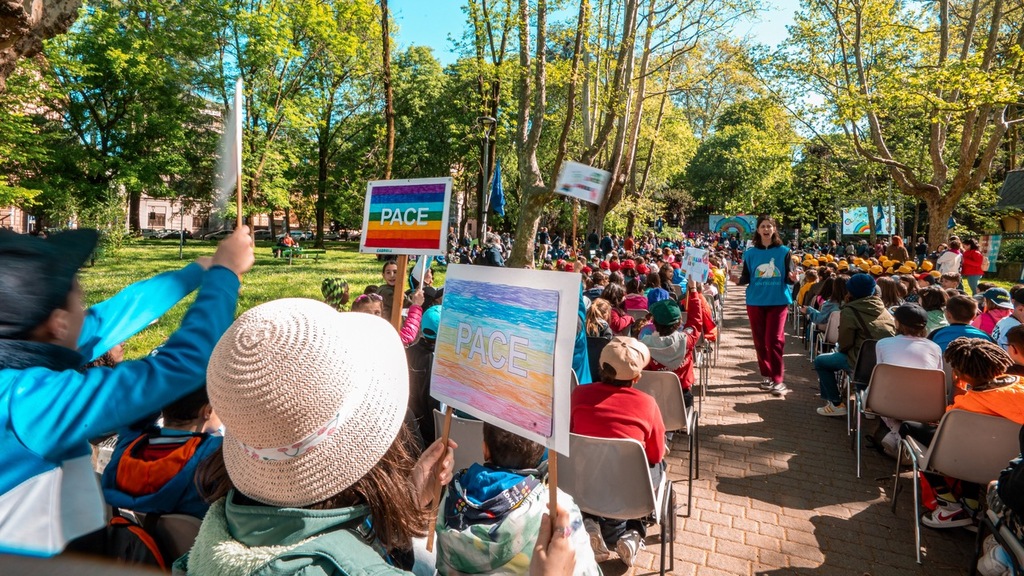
point(627, 356)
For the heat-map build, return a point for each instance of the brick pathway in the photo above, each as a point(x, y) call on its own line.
point(778, 491)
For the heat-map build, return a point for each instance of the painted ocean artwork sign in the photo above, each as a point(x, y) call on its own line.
point(504, 349)
point(406, 216)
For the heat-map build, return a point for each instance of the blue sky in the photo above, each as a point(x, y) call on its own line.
point(433, 22)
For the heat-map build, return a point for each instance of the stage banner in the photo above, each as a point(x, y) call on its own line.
point(742, 225)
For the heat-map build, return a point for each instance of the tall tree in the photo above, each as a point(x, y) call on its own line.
point(957, 76)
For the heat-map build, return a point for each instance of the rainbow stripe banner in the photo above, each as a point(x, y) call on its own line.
point(406, 216)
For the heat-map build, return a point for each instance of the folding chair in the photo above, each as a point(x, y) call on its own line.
point(968, 446)
point(914, 394)
point(857, 383)
point(664, 387)
point(175, 534)
point(638, 315)
point(829, 337)
point(468, 434)
point(610, 478)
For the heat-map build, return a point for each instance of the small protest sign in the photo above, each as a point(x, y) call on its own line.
point(504, 349)
point(583, 182)
point(406, 216)
point(696, 265)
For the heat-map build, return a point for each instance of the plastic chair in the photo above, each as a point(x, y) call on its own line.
point(468, 434)
point(856, 383)
point(821, 341)
point(638, 315)
point(914, 394)
point(610, 477)
point(667, 393)
point(968, 446)
point(175, 534)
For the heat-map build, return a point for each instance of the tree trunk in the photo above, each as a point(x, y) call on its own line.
point(321, 189)
point(389, 96)
point(939, 211)
point(134, 203)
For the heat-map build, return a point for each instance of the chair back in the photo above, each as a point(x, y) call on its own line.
point(867, 358)
point(668, 394)
point(594, 348)
point(916, 394)
point(832, 328)
point(949, 381)
point(468, 434)
point(972, 447)
point(175, 534)
point(637, 315)
point(574, 381)
point(607, 477)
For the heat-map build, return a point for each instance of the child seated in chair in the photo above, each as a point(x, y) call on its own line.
point(612, 408)
point(981, 385)
point(672, 344)
point(152, 471)
point(491, 513)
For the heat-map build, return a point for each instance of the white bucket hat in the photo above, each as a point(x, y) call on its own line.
point(310, 398)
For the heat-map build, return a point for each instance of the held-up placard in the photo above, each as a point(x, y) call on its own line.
point(583, 182)
point(406, 216)
point(696, 264)
point(504, 349)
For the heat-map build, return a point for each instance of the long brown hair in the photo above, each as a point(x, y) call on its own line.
point(386, 489)
point(776, 239)
point(599, 310)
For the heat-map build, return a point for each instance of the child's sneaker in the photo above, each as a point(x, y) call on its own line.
point(995, 561)
point(628, 546)
point(830, 409)
point(597, 544)
point(947, 516)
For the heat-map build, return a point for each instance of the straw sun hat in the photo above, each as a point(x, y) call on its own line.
point(311, 399)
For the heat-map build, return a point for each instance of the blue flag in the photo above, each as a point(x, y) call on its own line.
point(950, 223)
point(497, 191)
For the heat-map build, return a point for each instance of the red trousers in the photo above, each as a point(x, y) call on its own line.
point(768, 326)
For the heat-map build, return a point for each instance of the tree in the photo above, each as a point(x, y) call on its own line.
point(746, 161)
point(957, 77)
point(126, 76)
point(25, 25)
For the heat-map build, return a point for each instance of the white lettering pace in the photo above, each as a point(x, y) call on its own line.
point(500, 351)
point(407, 217)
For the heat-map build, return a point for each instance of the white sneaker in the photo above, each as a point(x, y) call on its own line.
point(779, 389)
point(601, 552)
point(628, 546)
point(766, 384)
point(830, 409)
point(994, 562)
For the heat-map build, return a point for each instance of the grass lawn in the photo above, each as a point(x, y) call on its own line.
point(270, 278)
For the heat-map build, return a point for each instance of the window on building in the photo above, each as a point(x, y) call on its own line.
point(157, 220)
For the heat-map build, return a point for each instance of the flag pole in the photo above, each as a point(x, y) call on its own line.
point(238, 153)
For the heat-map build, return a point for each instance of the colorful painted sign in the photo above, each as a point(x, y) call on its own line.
point(742, 225)
point(696, 264)
point(989, 247)
point(406, 216)
point(855, 220)
point(583, 182)
point(504, 349)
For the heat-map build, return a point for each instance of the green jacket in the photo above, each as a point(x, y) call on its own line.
point(237, 540)
point(863, 319)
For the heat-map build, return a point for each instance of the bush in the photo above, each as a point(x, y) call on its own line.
point(1011, 251)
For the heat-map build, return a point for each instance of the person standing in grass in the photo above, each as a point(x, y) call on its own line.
point(768, 270)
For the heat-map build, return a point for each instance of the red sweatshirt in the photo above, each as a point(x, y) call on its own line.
point(605, 411)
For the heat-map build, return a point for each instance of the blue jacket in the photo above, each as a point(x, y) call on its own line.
point(178, 495)
point(767, 272)
point(49, 409)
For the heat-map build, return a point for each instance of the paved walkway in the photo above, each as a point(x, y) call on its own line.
point(778, 491)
